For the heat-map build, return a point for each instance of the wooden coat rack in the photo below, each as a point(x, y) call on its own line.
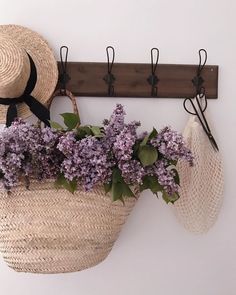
point(86, 79)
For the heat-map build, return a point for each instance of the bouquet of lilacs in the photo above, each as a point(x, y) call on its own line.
point(113, 155)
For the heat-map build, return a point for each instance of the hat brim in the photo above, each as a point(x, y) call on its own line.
point(45, 62)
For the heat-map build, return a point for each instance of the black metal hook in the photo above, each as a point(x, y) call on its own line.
point(63, 77)
point(201, 65)
point(198, 80)
point(152, 79)
point(109, 77)
point(200, 95)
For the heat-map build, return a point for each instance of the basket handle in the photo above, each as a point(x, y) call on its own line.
point(66, 93)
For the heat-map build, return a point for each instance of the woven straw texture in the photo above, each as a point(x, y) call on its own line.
point(15, 41)
point(201, 192)
point(44, 230)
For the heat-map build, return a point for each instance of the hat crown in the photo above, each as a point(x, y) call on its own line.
point(14, 68)
point(18, 44)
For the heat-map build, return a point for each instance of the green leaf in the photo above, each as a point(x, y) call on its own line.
point(55, 125)
point(136, 148)
point(71, 120)
point(117, 191)
point(147, 155)
point(71, 186)
point(170, 198)
point(83, 131)
point(116, 176)
point(153, 134)
point(151, 182)
point(107, 187)
point(119, 188)
point(59, 181)
point(145, 140)
point(97, 131)
point(149, 137)
point(127, 191)
point(155, 186)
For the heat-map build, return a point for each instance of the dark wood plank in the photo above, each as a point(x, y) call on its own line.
point(131, 80)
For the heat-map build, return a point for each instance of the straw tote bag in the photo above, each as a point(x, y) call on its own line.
point(48, 230)
point(201, 186)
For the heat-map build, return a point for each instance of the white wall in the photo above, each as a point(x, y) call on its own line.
point(154, 254)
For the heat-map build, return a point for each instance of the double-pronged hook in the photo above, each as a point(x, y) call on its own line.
point(109, 77)
point(198, 81)
point(152, 79)
point(200, 97)
point(63, 77)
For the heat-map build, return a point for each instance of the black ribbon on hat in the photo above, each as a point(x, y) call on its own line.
point(35, 106)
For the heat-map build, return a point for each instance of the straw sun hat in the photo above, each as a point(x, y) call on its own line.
point(28, 74)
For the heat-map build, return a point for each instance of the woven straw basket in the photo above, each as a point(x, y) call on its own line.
point(47, 231)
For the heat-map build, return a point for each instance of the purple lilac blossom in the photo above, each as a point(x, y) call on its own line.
point(86, 161)
point(165, 175)
point(124, 142)
point(13, 149)
point(114, 126)
point(132, 171)
point(119, 141)
point(48, 157)
point(26, 150)
point(172, 146)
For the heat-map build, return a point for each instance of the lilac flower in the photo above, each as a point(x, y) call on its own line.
point(124, 142)
point(165, 176)
point(114, 125)
point(86, 161)
point(132, 171)
point(26, 150)
point(48, 159)
point(66, 143)
point(13, 152)
point(172, 146)
point(32, 152)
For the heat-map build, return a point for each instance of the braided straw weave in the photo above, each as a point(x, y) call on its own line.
point(44, 230)
point(201, 186)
